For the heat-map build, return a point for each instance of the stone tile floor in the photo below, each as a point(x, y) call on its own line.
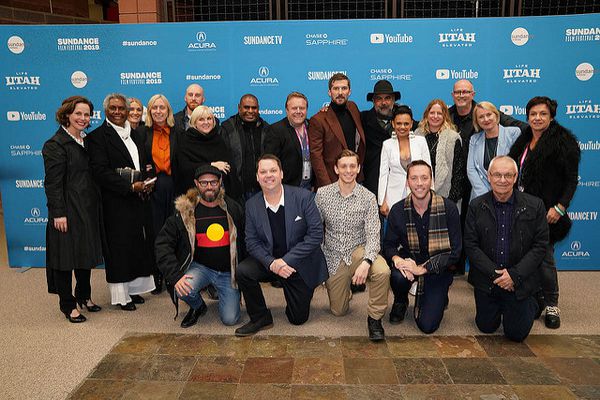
point(182, 366)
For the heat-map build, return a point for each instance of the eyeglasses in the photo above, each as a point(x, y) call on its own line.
point(213, 183)
point(508, 176)
point(462, 92)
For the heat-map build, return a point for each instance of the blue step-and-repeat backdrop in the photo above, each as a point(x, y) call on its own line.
point(509, 60)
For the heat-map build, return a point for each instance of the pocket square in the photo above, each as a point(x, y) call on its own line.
point(298, 218)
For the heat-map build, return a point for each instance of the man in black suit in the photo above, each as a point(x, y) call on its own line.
point(288, 140)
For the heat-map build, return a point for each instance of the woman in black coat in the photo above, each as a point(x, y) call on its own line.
point(120, 166)
point(200, 144)
point(548, 158)
point(73, 232)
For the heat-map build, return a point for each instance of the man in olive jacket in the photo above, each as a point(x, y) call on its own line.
point(505, 238)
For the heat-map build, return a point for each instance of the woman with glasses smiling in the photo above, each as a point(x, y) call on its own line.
point(493, 140)
point(548, 158)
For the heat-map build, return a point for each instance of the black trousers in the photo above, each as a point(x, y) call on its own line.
point(162, 208)
point(502, 306)
point(549, 278)
point(298, 296)
point(429, 311)
point(61, 283)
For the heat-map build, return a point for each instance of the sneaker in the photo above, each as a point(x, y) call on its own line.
point(376, 332)
point(552, 317)
point(398, 312)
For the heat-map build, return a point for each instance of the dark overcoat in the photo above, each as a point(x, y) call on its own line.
point(71, 193)
point(128, 235)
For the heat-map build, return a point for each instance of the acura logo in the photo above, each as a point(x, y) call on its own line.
point(575, 245)
point(201, 36)
point(35, 212)
point(263, 71)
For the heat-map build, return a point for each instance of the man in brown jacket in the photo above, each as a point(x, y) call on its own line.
point(332, 130)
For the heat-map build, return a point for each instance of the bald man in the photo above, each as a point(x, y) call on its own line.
point(194, 97)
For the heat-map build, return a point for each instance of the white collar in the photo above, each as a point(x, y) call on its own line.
point(123, 131)
point(281, 203)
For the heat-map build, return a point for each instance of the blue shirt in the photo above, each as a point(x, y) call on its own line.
point(504, 212)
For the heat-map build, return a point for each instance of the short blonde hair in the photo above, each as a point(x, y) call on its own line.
point(170, 118)
point(484, 105)
point(200, 111)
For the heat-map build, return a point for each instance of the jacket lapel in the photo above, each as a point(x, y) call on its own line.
point(115, 141)
point(335, 127)
point(290, 216)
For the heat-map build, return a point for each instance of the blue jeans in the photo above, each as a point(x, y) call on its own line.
point(229, 298)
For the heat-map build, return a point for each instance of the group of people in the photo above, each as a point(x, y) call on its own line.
point(185, 200)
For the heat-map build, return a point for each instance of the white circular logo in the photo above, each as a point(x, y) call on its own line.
point(201, 36)
point(519, 36)
point(575, 245)
point(263, 71)
point(584, 71)
point(35, 212)
point(15, 44)
point(79, 79)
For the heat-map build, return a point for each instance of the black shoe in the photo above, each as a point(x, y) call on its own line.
point(128, 307)
point(192, 316)
point(212, 293)
point(92, 308)
point(376, 332)
point(252, 327)
point(276, 284)
point(552, 319)
point(77, 319)
point(358, 288)
point(137, 299)
point(398, 312)
point(158, 282)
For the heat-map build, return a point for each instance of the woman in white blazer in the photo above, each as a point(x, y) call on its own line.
point(396, 154)
point(493, 140)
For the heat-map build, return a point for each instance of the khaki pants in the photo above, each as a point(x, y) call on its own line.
point(378, 284)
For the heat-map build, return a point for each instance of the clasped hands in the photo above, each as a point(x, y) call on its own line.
point(408, 267)
point(504, 280)
point(280, 267)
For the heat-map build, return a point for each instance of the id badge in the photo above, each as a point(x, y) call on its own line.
point(306, 170)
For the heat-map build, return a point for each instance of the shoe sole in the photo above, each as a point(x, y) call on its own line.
point(397, 322)
point(264, 328)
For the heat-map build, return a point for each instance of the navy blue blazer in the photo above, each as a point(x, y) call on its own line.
point(303, 229)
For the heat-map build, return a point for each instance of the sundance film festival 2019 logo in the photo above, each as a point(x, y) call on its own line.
point(202, 43)
point(15, 44)
point(141, 78)
point(22, 81)
point(264, 78)
point(218, 111)
point(584, 109)
point(457, 38)
point(78, 44)
point(588, 34)
point(521, 73)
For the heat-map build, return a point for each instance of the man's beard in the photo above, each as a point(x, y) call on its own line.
point(209, 196)
point(385, 113)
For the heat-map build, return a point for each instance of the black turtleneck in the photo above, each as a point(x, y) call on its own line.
point(251, 151)
point(347, 123)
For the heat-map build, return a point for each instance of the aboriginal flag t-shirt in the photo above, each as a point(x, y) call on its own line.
point(212, 238)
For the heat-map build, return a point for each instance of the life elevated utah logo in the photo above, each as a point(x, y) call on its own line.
point(521, 73)
point(457, 38)
point(584, 109)
point(202, 43)
point(22, 81)
point(264, 78)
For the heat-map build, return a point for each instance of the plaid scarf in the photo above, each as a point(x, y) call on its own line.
point(439, 241)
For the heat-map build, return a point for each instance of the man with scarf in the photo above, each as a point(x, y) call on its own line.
point(423, 238)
